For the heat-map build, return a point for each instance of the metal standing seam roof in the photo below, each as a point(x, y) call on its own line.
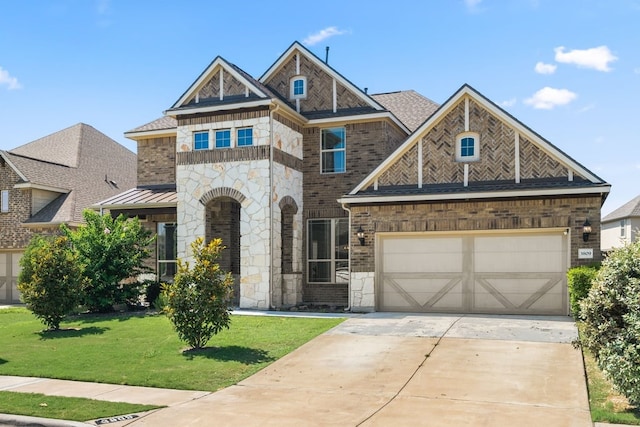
point(141, 197)
point(628, 210)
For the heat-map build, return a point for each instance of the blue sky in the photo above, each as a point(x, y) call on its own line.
point(568, 69)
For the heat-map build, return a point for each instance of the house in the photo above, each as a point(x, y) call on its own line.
point(50, 181)
point(621, 226)
point(325, 194)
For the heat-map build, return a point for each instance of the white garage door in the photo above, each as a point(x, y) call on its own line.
point(9, 270)
point(507, 273)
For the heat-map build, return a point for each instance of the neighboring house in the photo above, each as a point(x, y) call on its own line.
point(324, 194)
point(50, 181)
point(621, 226)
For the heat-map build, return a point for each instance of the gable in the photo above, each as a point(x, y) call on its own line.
point(511, 155)
point(220, 82)
point(327, 90)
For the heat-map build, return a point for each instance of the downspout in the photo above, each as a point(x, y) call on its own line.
point(348, 308)
point(271, 219)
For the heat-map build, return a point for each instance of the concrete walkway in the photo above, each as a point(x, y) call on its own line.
point(386, 369)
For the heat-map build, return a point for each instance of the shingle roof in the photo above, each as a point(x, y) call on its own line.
point(163, 123)
point(475, 187)
point(97, 167)
point(628, 210)
point(411, 108)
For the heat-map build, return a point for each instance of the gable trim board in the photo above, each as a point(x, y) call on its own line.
point(324, 66)
point(208, 72)
point(10, 163)
point(468, 91)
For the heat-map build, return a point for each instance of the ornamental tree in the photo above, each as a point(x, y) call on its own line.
point(51, 279)
point(111, 250)
point(197, 302)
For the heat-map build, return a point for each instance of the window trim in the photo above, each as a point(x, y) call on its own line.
point(476, 147)
point(343, 149)
point(245, 128)
point(292, 82)
point(4, 201)
point(215, 133)
point(623, 228)
point(333, 261)
point(166, 261)
point(201, 132)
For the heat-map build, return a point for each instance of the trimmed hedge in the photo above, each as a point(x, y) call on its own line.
point(580, 280)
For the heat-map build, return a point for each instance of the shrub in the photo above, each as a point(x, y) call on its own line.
point(197, 300)
point(51, 279)
point(580, 280)
point(611, 315)
point(111, 250)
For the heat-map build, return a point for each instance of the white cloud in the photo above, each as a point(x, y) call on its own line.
point(542, 68)
point(8, 80)
point(472, 5)
point(547, 98)
point(509, 102)
point(323, 35)
point(587, 108)
point(597, 58)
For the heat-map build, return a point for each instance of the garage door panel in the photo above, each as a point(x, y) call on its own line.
point(521, 243)
point(516, 262)
point(502, 273)
point(419, 294)
point(421, 263)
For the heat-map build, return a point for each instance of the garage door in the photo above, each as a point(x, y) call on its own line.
point(9, 270)
point(506, 273)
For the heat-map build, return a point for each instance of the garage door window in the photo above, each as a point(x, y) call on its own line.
point(328, 251)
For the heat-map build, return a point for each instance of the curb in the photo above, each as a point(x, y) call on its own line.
point(10, 420)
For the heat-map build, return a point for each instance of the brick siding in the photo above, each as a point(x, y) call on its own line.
point(157, 161)
point(525, 213)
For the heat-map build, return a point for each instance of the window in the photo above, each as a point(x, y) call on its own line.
point(167, 250)
point(333, 150)
point(468, 147)
point(328, 251)
point(622, 228)
point(4, 195)
point(298, 87)
point(244, 137)
point(201, 140)
point(223, 138)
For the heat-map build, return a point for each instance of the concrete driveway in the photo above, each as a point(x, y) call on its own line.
point(418, 370)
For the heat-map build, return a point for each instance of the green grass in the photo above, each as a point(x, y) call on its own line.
point(66, 408)
point(144, 350)
point(606, 404)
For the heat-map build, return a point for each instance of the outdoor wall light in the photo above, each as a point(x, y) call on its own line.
point(586, 230)
point(360, 234)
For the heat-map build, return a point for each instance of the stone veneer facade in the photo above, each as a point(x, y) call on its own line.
point(258, 185)
point(568, 213)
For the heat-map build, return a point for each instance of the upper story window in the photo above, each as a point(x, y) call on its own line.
point(333, 151)
point(468, 147)
point(623, 230)
point(223, 138)
point(244, 137)
point(200, 140)
point(4, 203)
point(298, 87)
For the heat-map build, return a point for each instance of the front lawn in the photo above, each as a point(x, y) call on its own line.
point(65, 408)
point(144, 350)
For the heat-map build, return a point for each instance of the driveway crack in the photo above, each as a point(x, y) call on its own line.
point(413, 374)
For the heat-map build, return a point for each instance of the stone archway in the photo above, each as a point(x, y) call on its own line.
point(222, 220)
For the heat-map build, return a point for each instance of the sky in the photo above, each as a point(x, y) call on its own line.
point(568, 69)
